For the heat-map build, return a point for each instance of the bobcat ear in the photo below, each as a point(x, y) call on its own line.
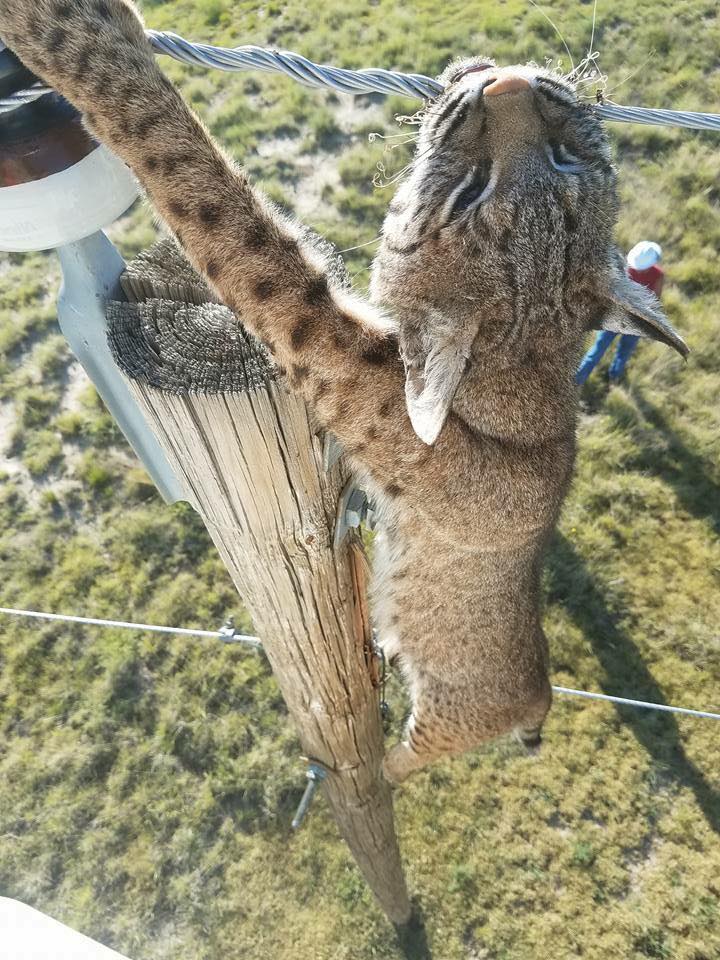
point(431, 386)
point(634, 309)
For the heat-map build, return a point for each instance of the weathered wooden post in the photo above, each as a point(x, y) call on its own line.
point(245, 448)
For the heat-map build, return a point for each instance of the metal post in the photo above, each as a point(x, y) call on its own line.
point(91, 270)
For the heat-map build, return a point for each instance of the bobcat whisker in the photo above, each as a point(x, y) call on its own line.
point(406, 136)
point(401, 173)
point(617, 86)
point(381, 180)
point(588, 62)
point(354, 276)
point(416, 119)
point(592, 32)
point(556, 29)
point(360, 245)
point(588, 73)
point(401, 140)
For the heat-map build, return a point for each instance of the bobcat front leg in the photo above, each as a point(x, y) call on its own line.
point(337, 350)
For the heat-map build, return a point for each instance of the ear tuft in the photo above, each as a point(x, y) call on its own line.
point(425, 408)
point(430, 386)
point(634, 309)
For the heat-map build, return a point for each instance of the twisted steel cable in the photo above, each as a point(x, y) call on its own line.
point(368, 80)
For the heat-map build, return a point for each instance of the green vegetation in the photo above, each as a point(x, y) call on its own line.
point(147, 784)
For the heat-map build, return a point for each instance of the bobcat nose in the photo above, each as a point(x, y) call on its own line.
point(507, 83)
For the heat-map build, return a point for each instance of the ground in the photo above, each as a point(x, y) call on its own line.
point(147, 784)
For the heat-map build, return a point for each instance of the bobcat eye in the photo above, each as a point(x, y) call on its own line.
point(476, 187)
point(561, 158)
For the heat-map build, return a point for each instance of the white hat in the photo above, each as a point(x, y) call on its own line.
point(644, 255)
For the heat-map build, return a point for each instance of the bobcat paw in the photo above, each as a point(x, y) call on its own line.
point(531, 740)
point(399, 763)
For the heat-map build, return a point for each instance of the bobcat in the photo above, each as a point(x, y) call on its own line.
point(453, 390)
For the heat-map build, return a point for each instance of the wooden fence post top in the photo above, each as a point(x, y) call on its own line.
point(247, 451)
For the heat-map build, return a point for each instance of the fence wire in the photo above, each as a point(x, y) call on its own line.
point(228, 635)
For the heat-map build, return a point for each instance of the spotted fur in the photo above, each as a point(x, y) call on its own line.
point(497, 257)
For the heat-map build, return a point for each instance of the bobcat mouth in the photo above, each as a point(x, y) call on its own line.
point(477, 68)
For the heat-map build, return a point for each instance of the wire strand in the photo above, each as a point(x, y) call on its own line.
point(367, 80)
point(570, 692)
point(228, 634)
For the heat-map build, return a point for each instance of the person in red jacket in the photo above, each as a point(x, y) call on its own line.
point(642, 267)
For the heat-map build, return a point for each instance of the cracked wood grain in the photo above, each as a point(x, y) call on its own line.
point(246, 450)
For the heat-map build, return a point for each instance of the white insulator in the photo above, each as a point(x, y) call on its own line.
point(31, 935)
point(66, 206)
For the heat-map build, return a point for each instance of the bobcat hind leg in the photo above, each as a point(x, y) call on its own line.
point(433, 733)
point(531, 739)
point(529, 728)
point(428, 737)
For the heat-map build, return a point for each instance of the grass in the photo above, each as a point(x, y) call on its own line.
point(147, 784)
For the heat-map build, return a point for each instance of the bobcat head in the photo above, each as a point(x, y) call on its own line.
point(502, 235)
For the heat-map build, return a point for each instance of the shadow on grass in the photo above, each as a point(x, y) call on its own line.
point(575, 588)
point(594, 392)
point(684, 470)
point(412, 938)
